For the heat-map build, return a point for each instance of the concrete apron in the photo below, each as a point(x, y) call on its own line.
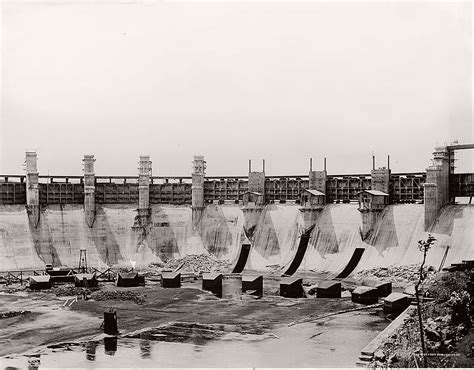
point(367, 353)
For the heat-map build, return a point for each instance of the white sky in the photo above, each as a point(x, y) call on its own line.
point(234, 81)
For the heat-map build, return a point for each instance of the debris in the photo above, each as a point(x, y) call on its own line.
point(122, 295)
point(68, 290)
point(194, 264)
point(6, 315)
point(404, 274)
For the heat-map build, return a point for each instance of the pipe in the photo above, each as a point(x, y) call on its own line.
point(250, 165)
point(388, 162)
point(324, 163)
point(373, 162)
point(311, 165)
point(263, 165)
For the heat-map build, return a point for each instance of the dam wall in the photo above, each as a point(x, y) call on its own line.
point(274, 232)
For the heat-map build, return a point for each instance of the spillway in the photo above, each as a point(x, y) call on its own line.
point(276, 237)
point(274, 234)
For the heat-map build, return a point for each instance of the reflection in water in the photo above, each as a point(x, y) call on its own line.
point(110, 345)
point(90, 350)
point(145, 347)
point(34, 362)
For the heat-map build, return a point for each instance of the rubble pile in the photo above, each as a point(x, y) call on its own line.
point(121, 295)
point(193, 263)
point(397, 274)
point(68, 290)
point(6, 315)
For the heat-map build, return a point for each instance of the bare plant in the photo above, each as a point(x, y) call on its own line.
point(424, 247)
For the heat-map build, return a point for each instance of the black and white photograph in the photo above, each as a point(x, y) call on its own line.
point(238, 184)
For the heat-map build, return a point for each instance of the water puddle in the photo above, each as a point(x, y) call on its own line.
point(336, 342)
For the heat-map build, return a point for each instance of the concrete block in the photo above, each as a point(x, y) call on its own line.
point(213, 283)
point(365, 295)
point(329, 289)
point(395, 303)
point(170, 280)
point(291, 287)
point(253, 283)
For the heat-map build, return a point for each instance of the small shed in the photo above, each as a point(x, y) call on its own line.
point(170, 279)
point(80, 280)
point(312, 199)
point(40, 282)
point(395, 303)
point(252, 198)
point(130, 279)
point(372, 200)
point(365, 295)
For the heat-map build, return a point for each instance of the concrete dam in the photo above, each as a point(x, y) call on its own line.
point(112, 242)
point(311, 225)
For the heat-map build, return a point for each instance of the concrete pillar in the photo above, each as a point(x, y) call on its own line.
point(32, 188)
point(380, 179)
point(144, 173)
point(197, 188)
point(317, 180)
point(437, 185)
point(89, 189)
point(257, 182)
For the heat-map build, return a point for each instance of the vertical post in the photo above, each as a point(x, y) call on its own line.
point(32, 188)
point(263, 165)
point(325, 164)
point(310, 164)
point(89, 189)
point(144, 172)
point(388, 161)
point(197, 189)
point(250, 165)
point(373, 162)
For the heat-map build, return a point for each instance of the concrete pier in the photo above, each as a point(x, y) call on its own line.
point(197, 189)
point(257, 181)
point(144, 173)
point(317, 181)
point(437, 184)
point(89, 189)
point(380, 179)
point(32, 188)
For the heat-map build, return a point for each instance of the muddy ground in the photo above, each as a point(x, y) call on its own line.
point(51, 322)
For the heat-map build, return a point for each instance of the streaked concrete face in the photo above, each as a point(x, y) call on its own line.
point(63, 231)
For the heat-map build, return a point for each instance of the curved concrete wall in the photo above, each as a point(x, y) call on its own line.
point(276, 230)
